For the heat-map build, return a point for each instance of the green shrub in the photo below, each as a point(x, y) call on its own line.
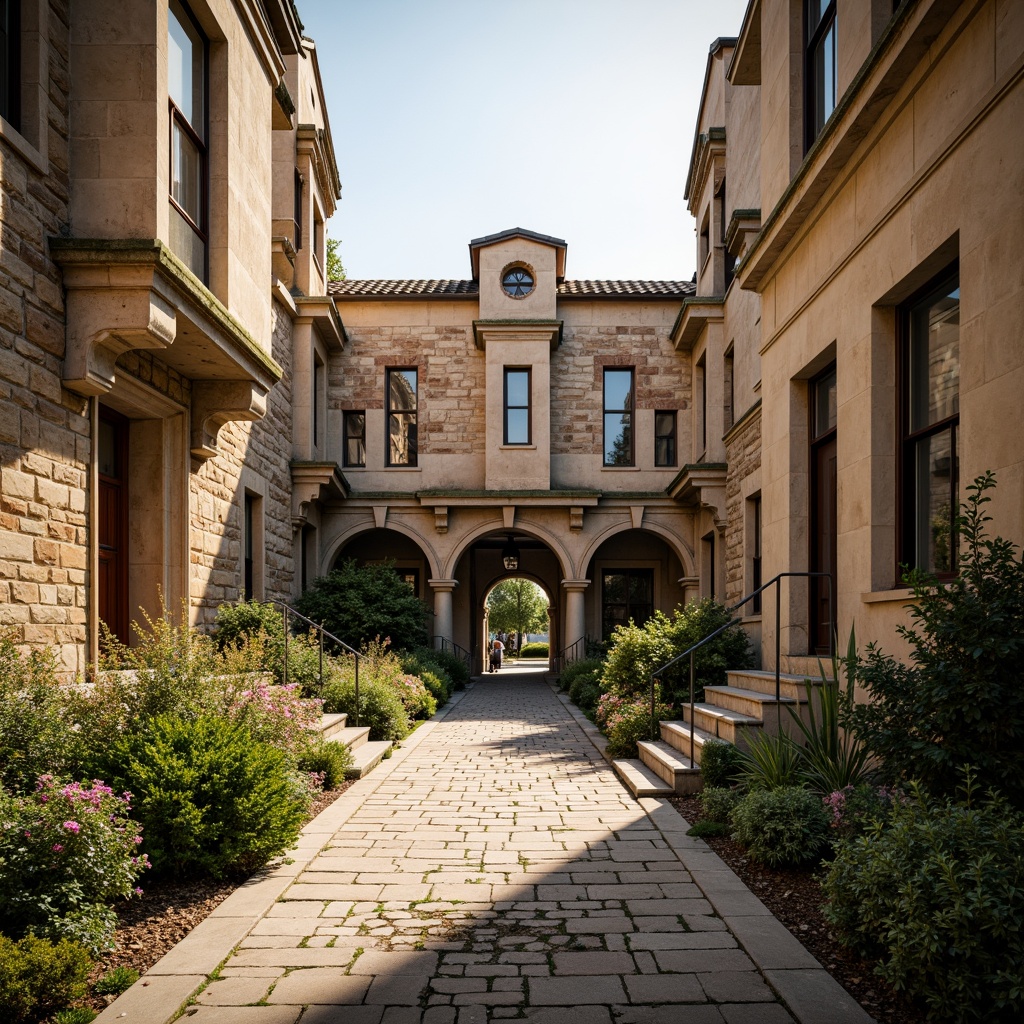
point(39, 977)
point(76, 1015)
point(445, 663)
point(327, 759)
point(635, 651)
point(936, 893)
point(34, 712)
point(432, 673)
point(718, 802)
point(585, 693)
point(239, 623)
point(379, 707)
point(114, 982)
point(588, 667)
point(66, 851)
point(534, 650)
point(708, 829)
point(959, 701)
point(211, 799)
point(359, 602)
point(720, 764)
point(782, 827)
point(854, 809)
point(771, 761)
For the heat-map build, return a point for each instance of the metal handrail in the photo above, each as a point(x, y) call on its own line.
point(690, 652)
point(287, 611)
point(453, 648)
point(563, 655)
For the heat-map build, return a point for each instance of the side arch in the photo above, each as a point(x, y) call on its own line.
point(342, 540)
point(681, 550)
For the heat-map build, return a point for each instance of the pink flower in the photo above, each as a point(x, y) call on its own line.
point(72, 826)
point(138, 891)
point(57, 847)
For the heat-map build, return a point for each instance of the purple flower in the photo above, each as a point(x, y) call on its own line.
point(57, 847)
point(72, 826)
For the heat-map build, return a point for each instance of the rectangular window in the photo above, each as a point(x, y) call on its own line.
point(626, 594)
point(402, 403)
point(186, 85)
point(517, 406)
point(665, 438)
point(819, 65)
point(702, 380)
point(10, 56)
point(252, 536)
point(755, 557)
point(354, 424)
point(297, 212)
point(930, 418)
point(318, 384)
point(730, 387)
point(618, 417)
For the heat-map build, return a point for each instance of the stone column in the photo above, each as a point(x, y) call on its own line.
point(443, 624)
point(575, 619)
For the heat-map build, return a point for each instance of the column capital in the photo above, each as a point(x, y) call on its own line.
point(443, 585)
point(575, 586)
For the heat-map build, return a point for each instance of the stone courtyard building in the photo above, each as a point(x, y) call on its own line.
point(190, 413)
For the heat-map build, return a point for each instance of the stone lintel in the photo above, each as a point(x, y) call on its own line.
point(517, 330)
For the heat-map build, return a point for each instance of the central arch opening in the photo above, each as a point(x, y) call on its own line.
point(517, 616)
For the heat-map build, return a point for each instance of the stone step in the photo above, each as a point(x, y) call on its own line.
point(763, 681)
point(670, 765)
point(723, 723)
point(640, 779)
point(352, 736)
point(367, 756)
point(752, 703)
point(677, 736)
point(331, 724)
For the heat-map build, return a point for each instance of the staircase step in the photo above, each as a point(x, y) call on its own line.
point(677, 736)
point(670, 765)
point(722, 723)
point(640, 779)
point(352, 736)
point(753, 703)
point(331, 724)
point(367, 756)
point(763, 681)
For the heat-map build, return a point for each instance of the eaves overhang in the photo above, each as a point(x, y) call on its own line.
point(707, 147)
point(559, 244)
point(694, 316)
point(745, 66)
point(742, 228)
point(694, 479)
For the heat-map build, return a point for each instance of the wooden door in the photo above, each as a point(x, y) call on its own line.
point(112, 524)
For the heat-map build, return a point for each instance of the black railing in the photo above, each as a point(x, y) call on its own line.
point(442, 643)
point(290, 613)
point(690, 652)
point(576, 651)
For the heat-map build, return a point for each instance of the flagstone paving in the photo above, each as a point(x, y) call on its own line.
point(495, 868)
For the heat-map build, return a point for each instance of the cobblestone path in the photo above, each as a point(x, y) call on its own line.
point(500, 870)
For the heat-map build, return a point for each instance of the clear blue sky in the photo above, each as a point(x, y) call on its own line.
point(459, 118)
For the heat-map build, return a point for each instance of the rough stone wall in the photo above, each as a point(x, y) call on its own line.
point(44, 429)
point(451, 386)
point(743, 454)
point(662, 381)
point(263, 448)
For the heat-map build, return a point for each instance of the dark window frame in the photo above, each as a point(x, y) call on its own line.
point(670, 457)
point(815, 119)
point(908, 512)
point(248, 545)
point(178, 119)
point(413, 435)
point(627, 415)
point(348, 436)
point(300, 184)
point(506, 407)
point(319, 371)
point(10, 75)
point(628, 573)
point(756, 563)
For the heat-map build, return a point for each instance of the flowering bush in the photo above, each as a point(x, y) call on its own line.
point(66, 851)
point(276, 713)
point(630, 721)
point(853, 809)
point(415, 698)
point(609, 704)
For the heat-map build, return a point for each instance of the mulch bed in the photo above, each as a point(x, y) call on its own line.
point(148, 927)
point(795, 898)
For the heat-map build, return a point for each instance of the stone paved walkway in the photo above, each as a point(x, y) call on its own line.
point(495, 868)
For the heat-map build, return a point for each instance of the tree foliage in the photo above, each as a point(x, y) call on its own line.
point(358, 603)
point(960, 699)
point(335, 268)
point(517, 606)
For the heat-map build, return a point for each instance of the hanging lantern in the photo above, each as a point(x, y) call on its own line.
point(510, 554)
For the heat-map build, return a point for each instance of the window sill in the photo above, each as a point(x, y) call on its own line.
point(902, 594)
point(403, 469)
point(517, 448)
point(620, 469)
point(22, 146)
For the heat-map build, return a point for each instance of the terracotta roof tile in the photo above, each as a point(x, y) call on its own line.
point(397, 288)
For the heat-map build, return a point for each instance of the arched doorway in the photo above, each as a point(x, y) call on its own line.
point(516, 609)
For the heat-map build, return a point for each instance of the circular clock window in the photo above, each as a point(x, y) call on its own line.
point(517, 281)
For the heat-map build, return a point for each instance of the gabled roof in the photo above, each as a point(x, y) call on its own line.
point(412, 289)
point(477, 244)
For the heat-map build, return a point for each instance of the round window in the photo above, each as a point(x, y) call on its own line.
point(517, 281)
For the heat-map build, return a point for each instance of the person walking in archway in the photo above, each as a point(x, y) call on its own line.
point(496, 648)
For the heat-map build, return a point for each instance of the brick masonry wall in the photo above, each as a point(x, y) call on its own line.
point(451, 384)
point(577, 367)
point(743, 454)
point(44, 429)
point(216, 504)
